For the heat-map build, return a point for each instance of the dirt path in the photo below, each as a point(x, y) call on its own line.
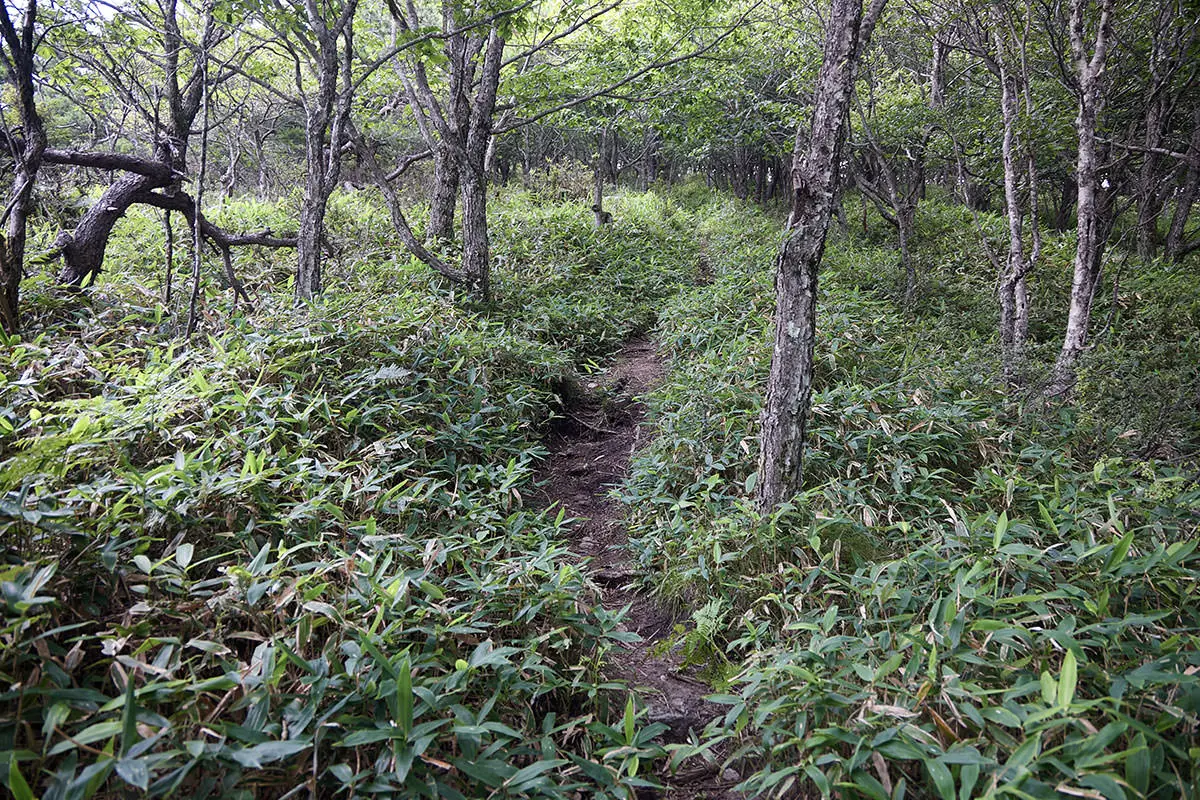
point(590, 453)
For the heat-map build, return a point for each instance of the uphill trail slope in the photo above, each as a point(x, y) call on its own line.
point(590, 452)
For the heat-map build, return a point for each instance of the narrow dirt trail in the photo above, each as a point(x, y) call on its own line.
point(590, 453)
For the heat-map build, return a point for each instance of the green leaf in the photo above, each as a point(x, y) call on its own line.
point(267, 752)
point(135, 772)
point(129, 717)
point(1049, 689)
point(1119, 552)
point(942, 780)
point(1137, 765)
point(1001, 529)
point(1066, 680)
point(16, 781)
point(888, 667)
point(369, 736)
point(629, 720)
point(819, 780)
point(829, 618)
point(404, 695)
point(530, 773)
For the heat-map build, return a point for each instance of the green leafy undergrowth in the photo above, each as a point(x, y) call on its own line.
point(298, 551)
point(962, 602)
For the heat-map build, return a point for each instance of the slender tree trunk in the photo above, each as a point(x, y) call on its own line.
point(773, 181)
point(1066, 202)
point(1186, 197)
point(598, 197)
point(1014, 264)
point(906, 224)
point(169, 267)
point(760, 180)
point(1149, 203)
point(1021, 323)
point(263, 183)
point(327, 117)
point(197, 227)
point(815, 170)
point(1090, 228)
point(229, 180)
point(27, 158)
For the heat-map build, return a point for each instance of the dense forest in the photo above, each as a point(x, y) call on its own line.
point(600, 398)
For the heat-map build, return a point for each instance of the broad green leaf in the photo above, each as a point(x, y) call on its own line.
point(1067, 680)
point(16, 781)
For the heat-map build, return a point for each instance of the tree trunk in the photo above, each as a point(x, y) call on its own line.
point(327, 117)
point(598, 197)
point(315, 201)
point(444, 199)
point(27, 158)
point(476, 246)
point(308, 244)
point(1186, 197)
point(83, 249)
point(1066, 201)
point(1149, 204)
point(815, 170)
point(1014, 264)
point(906, 224)
point(1090, 230)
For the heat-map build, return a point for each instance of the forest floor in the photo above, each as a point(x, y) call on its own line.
point(590, 451)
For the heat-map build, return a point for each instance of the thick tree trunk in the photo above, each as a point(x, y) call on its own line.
point(814, 172)
point(476, 246)
point(83, 249)
point(308, 246)
point(1091, 232)
point(443, 201)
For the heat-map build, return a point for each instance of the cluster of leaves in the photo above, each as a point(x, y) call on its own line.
point(301, 552)
point(961, 602)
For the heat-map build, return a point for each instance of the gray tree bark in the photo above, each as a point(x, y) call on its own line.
point(444, 198)
point(476, 246)
point(327, 115)
point(1012, 277)
point(83, 248)
point(1186, 198)
point(27, 156)
point(1090, 229)
point(815, 170)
